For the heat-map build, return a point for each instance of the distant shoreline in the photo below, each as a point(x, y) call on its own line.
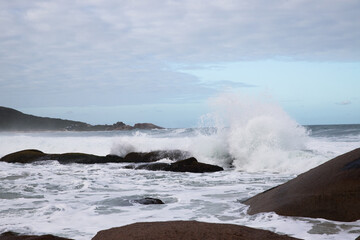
point(14, 120)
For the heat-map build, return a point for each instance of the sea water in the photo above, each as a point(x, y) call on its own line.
point(259, 147)
point(78, 200)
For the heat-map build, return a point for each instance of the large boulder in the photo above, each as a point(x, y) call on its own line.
point(24, 156)
point(185, 230)
point(330, 191)
point(16, 236)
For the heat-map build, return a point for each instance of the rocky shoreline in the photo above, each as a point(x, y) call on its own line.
point(182, 161)
point(330, 191)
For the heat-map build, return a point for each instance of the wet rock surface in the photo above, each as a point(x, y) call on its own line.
point(330, 191)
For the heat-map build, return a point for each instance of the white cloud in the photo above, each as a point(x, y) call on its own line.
point(105, 48)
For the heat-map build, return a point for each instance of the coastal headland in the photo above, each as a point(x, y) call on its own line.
point(13, 120)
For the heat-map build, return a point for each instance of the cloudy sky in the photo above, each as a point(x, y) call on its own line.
point(103, 61)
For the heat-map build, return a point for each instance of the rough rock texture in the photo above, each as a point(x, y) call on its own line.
point(16, 236)
point(330, 191)
point(185, 230)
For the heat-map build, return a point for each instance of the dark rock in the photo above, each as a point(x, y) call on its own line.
point(24, 156)
point(114, 158)
point(352, 165)
point(77, 158)
point(192, 165)
point(330, 191)
point(148, 201)
point(139, 157)
point(32, 155)
point(187, 165)
point(136, 157)
point(152, 166)
point(16, 236)
point(185, 230)
point(121, 126)
point(146, 126)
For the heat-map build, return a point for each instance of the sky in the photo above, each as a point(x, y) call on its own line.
point(103, 61)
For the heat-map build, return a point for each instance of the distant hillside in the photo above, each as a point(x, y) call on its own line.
point(13, 120)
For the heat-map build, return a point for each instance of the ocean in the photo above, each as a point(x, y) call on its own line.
point(77, 201)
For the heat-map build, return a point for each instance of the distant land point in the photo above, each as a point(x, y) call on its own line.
point(14, 120)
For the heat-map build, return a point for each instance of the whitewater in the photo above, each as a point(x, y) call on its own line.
point(259, 146)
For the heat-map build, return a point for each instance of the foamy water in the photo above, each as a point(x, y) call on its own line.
point(259, 146)
point(79, 200)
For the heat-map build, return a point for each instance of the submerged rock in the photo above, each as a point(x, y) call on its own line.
point(330, 191)
point(16, 236)
point(148, 201)
point(184, 230)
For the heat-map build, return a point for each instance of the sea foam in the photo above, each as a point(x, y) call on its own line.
point(246, 133)
point(257, 133)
